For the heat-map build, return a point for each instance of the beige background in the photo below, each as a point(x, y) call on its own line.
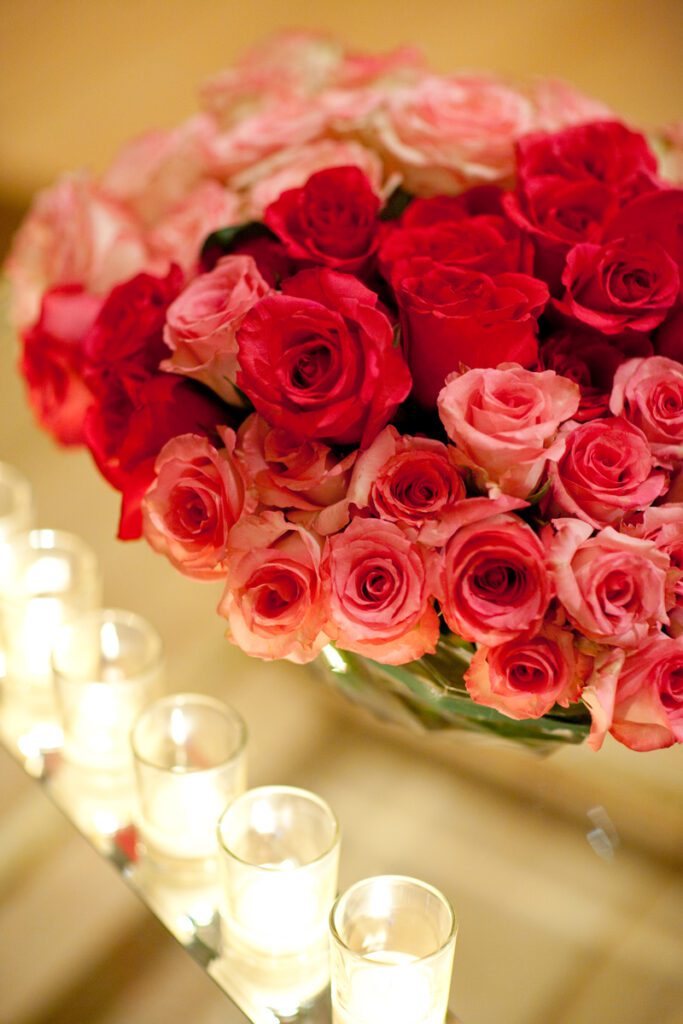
point(551, 932)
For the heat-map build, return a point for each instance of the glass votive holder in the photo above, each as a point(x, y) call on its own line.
point(279, 864)
point(392, 946)
point(190, 762)
point(16, 502)
point(107, 667)
point(48, 576)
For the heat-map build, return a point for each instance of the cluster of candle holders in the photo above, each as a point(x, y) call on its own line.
point(245, 879)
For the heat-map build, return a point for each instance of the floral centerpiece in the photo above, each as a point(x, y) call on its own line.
point(397, 357)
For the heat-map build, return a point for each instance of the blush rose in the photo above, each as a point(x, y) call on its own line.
point(649, 393)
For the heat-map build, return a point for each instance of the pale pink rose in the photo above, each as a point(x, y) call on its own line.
point(292, 167)
point(179, 236)
point(640, 699)
point(202, 322)
point(445, 133)
point(495, 584)
point(378, 593)
point(505, 421)
point(272, 600)
point(611, 586)
point(73, 234)
point(197, 497)
point(558, 105)
point(607, 470)
point(364, 69)
point(158, 170)
point(668, 144)
point(525, 678)
point(649, 393)
point(663, 525)
point(295, 474)
point(413, 481)
point(282, 123)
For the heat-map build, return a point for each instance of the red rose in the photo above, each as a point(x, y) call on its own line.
point(319, 360)
point(668, 340)
point(52, 361)
point(452, 317)
point(657, 216)
point(331, 220)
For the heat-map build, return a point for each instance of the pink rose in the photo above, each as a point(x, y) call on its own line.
point(412, 481)
point(640, 700)
point(179, 237)
point(202, 323)
point(607, 470)
point(293, 473)
point(283, 121)
point(505, 422)
point(558, 105)
point(663, 525)
point(378, 593)
point(611, 586)
point(495, 583)
point(649, 393)
point(525, 678)
point(273, 600)
point(73, 234)
point(446, 132)
point(197, 497)
point(671, 153)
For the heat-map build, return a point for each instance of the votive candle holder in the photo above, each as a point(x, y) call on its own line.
point(392, 947)
point(16, 502)
point(107, 666)
point(189, 755)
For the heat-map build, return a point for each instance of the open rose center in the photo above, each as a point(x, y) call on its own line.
point(190, 514)
point(529, 671)
point(275, 592)
point(493, 580)
point(618, 592)
point(671, 688)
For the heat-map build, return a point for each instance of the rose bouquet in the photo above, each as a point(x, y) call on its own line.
point(397, 358)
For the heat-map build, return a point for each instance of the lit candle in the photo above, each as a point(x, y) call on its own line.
point(393, 940)
point(188, 752)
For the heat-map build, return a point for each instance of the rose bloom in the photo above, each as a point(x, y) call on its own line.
point(412, 481)
point(649, 393)
point(629, 283)
point(505, 422)
point(670, 150)
point(611, 586)
point(331, 220)
point(495, 583)
point(606, 471)
point(640, 699)
point(52, 361)
point(293, 473)
point(447, 132)
point(73, 234)
point(201, 324)
point(273, 599)
point(197, 497)
point(319, 359)
point(378, 593)
point(179, 237)
point(591, 360)
point(656, 216)
point(452, 318)
point(526, 677)
point(668, 340)
point(559, 105)
point(663, 525)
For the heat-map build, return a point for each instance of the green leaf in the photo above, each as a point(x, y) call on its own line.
point(396, 204)
point(225, 239)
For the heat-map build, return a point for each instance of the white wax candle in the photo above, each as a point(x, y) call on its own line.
point(180, 815)
point(278, 910)
point(390, 987)
point(100, 724)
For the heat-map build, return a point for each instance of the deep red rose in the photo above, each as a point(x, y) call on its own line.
point(627, 284)
point(452, 318)
point(332, 220)
point(591, 360)
point(668, 340)
point(482, 199)
point(320, 361)
point(130, 325)
point(272, 260)
point(657, 216)
point(52, 361)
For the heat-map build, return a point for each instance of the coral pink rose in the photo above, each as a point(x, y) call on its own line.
point(663, 525)
point(505, 422)
point(52, 361)
point(179, 237)
point(446, 132)
point(611, 586)
point(495, 582)
point(202, 323)
point(73, 234)
point(525, 678)
point(649, 393)
point(640, 700)
point(197, 497)
point(377, 585)
point(283, 121)
point(413, 481)
point(607, 470)
point(319, 359)
point(452, 317)
point(273, 600)
point(293, 473)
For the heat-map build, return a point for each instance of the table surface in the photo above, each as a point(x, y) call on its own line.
point(565, 872)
